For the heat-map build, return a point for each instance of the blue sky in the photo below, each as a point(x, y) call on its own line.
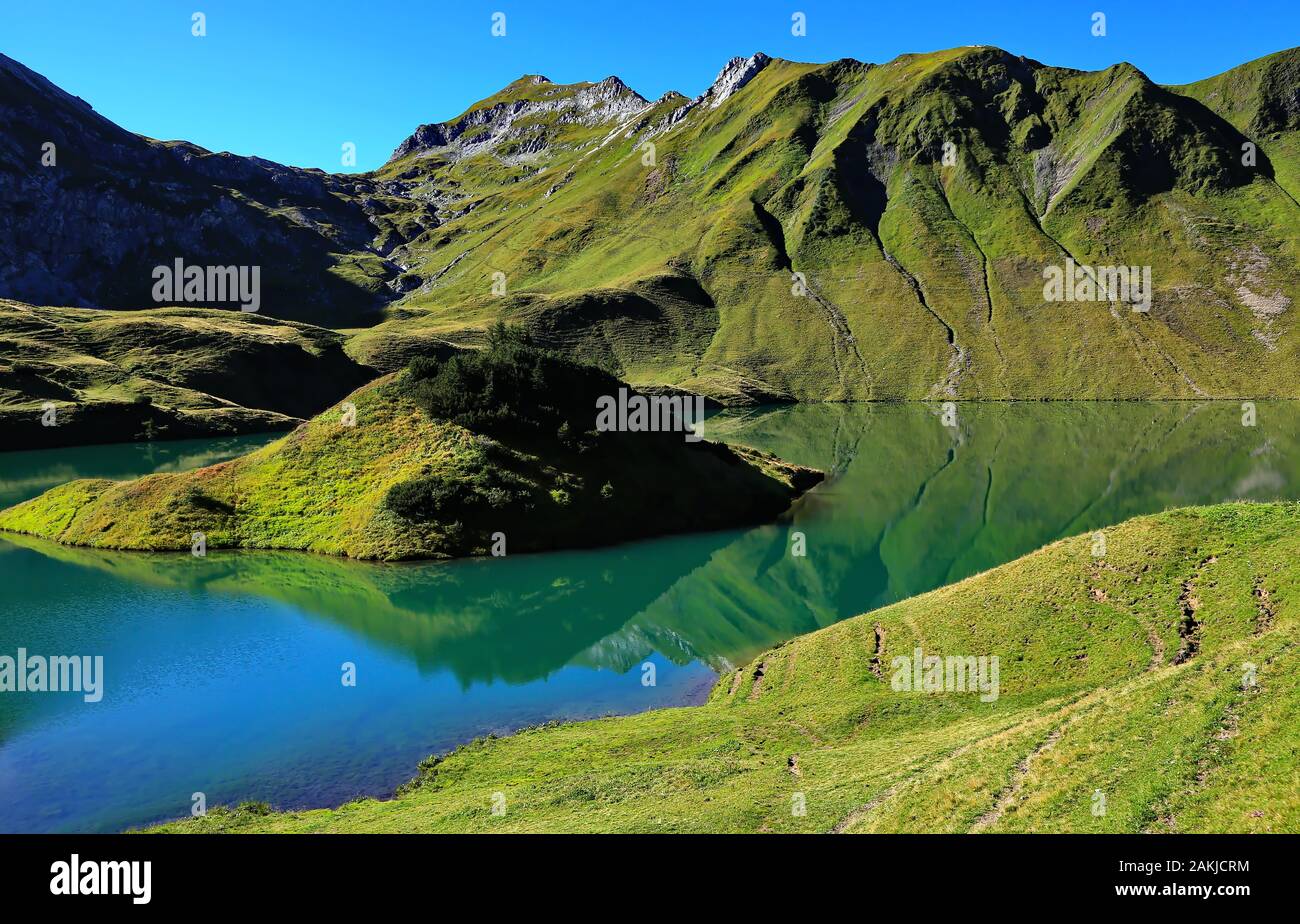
point(292, 80)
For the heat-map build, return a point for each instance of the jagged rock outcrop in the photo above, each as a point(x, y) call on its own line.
point(530, 118)
point(734, 75)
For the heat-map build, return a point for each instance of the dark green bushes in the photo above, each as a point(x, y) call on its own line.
point(511, 389)
point(435, 498)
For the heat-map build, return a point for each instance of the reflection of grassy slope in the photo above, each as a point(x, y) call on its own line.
point(516, 619)
point(927, 279)
point(328, 487)
point(1094, 696)
point(162, 373)
point(754, 594)
point(874, 536)
point(1091, 467)
point(900, 515)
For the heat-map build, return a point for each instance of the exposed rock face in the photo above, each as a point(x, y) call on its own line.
point(737, 72)
point(734, 75)
point(88, 228)
point(531, 120)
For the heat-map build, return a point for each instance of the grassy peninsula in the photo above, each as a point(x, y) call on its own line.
point(437, 461)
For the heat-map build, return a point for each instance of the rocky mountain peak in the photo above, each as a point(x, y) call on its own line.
point(618, 98)
point(735, 74)
point(483, 128)
point(26, 97)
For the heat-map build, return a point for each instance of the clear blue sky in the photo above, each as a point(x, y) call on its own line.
point(292, 80)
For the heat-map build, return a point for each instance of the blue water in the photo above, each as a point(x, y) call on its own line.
point(222, 675)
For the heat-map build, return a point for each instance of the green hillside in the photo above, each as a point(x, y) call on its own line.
point(800, 231)
point(166, 373)
point(1149, 689)
point(435, 462)
point(924, 280)
point(1259, 100)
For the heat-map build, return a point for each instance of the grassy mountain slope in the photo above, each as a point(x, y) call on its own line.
point(115, 376)
point(1121, 675)
point(918, 201)
point(924, 279)
point(385, 477)
point(1261, 99)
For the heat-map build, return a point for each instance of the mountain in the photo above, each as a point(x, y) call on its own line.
point(797, 232)
point(88, 229)
point(923, 280)
point(1261, 100)
point(1150, 689)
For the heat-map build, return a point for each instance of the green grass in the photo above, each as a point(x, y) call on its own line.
point(925, 278)
point(116, 376)
point(679, 273)
point(1094, 697)
point(389, 475)
point(1254, 98)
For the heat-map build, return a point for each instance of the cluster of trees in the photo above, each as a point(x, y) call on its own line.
point(511, 389)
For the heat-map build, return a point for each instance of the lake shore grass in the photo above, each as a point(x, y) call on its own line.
point(1151, 687)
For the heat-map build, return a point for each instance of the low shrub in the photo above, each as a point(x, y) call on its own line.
point(436, 498)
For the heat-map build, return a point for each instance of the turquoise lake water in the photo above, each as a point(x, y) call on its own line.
point(222, 674)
